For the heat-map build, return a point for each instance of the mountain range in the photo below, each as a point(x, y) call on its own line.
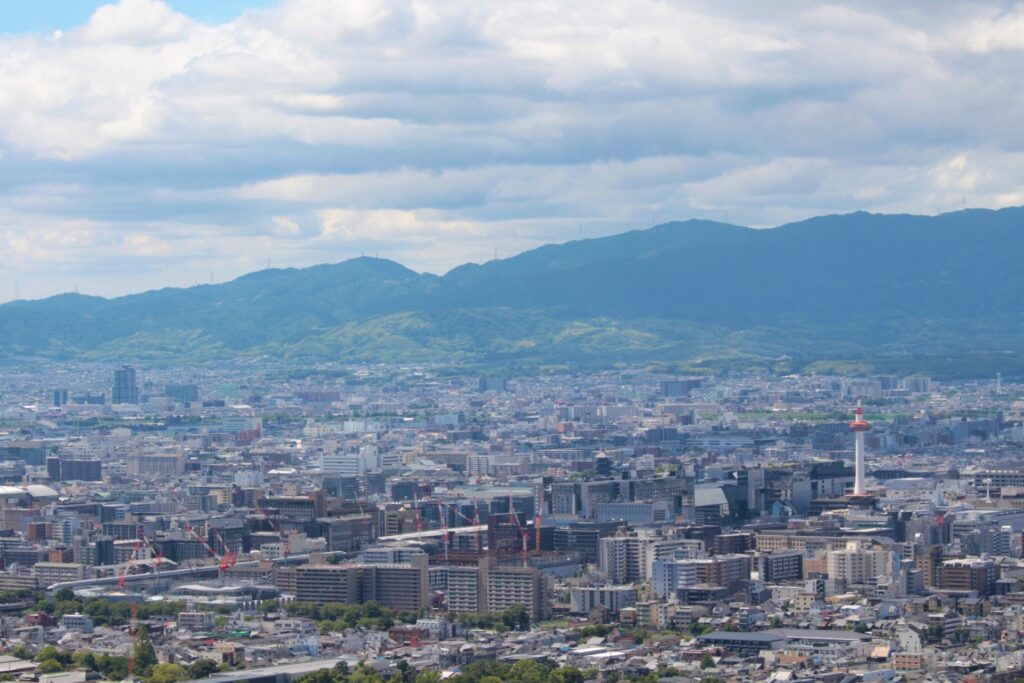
point(887, 290)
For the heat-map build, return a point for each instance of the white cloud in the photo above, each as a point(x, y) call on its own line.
point(284, 225)
point(135, 21)
point(389, 224)
point(146, 148)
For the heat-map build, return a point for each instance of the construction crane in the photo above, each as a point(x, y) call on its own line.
point(225, 561)
point(122, 578)
point(158, 558)
point(229, 556)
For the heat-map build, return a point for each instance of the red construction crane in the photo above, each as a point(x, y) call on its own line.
point(230, 557)
point(122, 578)
point(225, 561)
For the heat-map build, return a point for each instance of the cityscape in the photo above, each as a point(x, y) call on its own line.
point(511, 341)
point(256, 523)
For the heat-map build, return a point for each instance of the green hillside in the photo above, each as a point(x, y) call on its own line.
point(886, 290)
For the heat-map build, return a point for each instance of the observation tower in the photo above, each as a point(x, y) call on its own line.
point(858, 427)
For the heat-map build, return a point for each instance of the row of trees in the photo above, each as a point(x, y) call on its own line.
point(514, 618)
point(334, 616)
point(337, 616)
point(102, 611)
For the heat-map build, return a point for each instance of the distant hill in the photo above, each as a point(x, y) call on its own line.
point(857, 286)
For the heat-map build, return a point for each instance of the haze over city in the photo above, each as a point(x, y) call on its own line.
point(425, 341)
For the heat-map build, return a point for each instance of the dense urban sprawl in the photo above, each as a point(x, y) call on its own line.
point(410, 524)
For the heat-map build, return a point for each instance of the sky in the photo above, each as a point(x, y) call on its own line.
point(146, 144)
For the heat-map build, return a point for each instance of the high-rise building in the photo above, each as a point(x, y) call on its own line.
point(463, 590)
point(969, 575)
point(104, 551)
point(680, 388)
point(630, 558)
point(348, 532)
point(612, 598)
point(858, 564)
point(784, 565)
point(493, 384)
point(505, 587)
point(170, 464)
point(182, 393)
point(489, 587)
point(126, 388)
point(60, 397)
point(67, 469)
point(342, 464)
point(397, 586)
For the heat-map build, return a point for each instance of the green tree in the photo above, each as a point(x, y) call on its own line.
point(144, 652)
point(112, 667)
point(595, 630)
point(50, 652)
point(406, 673)
point(167, 673)
point(65, 594)
point(84, 658)
point(201, 668)
point(49, 666)
point(566, 674)
point(363, 674)
point(319, 676)
point(63, 607)
point(515, 618)
point(707, 661)
point(527, 671)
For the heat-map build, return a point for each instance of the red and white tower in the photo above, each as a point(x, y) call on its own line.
point(858, 427)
